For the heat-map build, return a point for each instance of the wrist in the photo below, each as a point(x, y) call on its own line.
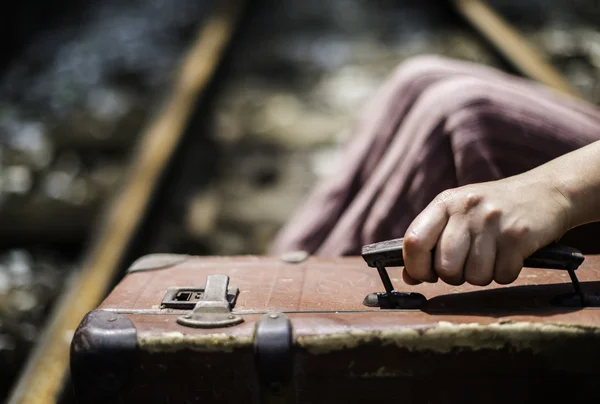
point(575, 177)
point(567, 196)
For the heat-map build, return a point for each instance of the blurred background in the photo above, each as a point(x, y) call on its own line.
point(79, 82)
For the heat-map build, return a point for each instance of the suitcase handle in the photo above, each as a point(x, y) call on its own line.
point(554, 256)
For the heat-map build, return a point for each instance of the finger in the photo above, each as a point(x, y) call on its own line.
point(408, 280)
point(509, 263)
point(479, 267)
point(452, 251)
point(420, 239)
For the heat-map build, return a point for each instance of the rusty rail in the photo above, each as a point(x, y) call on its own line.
point(505, 38)
point(45, 374)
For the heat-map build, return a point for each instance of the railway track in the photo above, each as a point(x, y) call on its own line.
point(45, 374)
point(169, 182)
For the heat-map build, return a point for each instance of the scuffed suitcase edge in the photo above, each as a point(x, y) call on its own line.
point(445, 337)
point(153, 262)
point(560, 345)
point(103, 352)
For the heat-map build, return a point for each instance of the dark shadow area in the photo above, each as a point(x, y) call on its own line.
point(20, 21)
point(585, 238)
point(536, 300)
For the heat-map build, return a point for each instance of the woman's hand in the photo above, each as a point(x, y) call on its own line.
point(483, 232)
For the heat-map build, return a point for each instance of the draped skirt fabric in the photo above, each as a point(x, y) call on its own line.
point(435, 124)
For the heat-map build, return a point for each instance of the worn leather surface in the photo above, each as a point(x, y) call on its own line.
point(494, 344)
point(340, 285)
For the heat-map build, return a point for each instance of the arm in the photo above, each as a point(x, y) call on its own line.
point(483, 232)
point(577, 176)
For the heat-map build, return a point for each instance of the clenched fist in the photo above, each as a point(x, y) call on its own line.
point(481, 233)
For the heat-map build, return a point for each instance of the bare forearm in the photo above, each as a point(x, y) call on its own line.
point(576, 176)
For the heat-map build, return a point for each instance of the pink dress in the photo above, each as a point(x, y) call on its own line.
point(436, 124)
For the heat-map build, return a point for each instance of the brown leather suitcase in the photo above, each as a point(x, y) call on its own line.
point(297, 329)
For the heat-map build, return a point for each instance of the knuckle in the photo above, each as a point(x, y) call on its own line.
point(491, 214)
point(459, 199)
point(515, 232)
point(413, 243)
point(445, 198)
point(472, 199)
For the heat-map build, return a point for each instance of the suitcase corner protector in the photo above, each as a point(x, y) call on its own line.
point(102, 354)
point(102, 330)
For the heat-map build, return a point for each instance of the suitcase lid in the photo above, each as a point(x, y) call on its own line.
point(315, 284)
point(324, 300)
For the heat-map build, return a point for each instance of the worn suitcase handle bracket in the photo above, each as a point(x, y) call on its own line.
point(389, 254)
point(185, 298)
point(213, 309)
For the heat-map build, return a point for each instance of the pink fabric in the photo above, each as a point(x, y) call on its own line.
point(436, 124)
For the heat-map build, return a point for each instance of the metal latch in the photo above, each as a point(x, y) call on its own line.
point(213, 303)
point(185, 298)
point(389, 254)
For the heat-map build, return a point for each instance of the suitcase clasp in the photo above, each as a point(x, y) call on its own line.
point(380, 255)
point(213, 305)
point(389, 254)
